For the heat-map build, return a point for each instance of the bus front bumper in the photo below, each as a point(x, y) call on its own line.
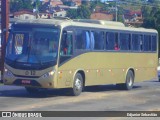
point(39, 82)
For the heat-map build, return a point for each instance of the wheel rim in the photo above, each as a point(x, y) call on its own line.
point(78, 84)
point(130, 82)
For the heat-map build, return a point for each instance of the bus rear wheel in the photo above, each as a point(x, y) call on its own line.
point(128, 85)
point(129, 80)
point(77, 85)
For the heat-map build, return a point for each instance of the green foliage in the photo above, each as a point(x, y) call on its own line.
point(42, 8)
point(82, 12)
point(72, 13)
point(149, 22)
point(146, 11)
point(66, 3)
point(16, 5)
point(154, 1)
point(151, 17)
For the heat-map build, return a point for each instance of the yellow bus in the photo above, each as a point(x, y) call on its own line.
point(63, 53)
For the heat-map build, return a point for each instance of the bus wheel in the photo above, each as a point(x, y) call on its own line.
point(32, 90)
point(77, 85)
point(128, 83)
point(129, 80)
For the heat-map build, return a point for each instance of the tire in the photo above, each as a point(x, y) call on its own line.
point(128, 85)
point(77, 85)
point(32, 90)
point(129, 80)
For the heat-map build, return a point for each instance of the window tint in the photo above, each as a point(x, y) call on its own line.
point(125, 41)
point(154, 43)
point(87, 39)
point(99, 41)
point(140, 37)
point(136, 42)
point(79, 40)
point(112, 41)
point(66, 44)
point(93, 40)
point(83, 40)
point(147, 43)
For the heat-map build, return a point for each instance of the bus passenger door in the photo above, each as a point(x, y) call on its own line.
point(65, 64)
point(66, 48)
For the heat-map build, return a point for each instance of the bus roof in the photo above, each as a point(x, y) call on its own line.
point(102, 24)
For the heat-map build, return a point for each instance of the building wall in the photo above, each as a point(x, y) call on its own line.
point(25, 16)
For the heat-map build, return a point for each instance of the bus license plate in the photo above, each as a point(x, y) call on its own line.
point(26, 82)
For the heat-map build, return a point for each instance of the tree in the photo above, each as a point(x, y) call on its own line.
point(82, 12)
point(154, 1)
point(72, 13)
point(16, 5)
point(146, 11)
point(149, 22)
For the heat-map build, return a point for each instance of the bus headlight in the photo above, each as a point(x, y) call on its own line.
point(51, 73)
point(8, 73)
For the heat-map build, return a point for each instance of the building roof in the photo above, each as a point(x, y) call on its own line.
point(23, 12)
point(101, 16)
point(56, 2)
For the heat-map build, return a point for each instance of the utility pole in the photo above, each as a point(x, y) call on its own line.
point(116, 10)
point(4, 28)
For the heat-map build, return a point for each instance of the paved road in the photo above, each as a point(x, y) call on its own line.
point(144, 96)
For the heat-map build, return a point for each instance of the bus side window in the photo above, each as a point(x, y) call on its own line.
point(116, 43)
point(99, 40)
point(140, 37)
point(135, 42)
point(82, 41)
point(87, 40)
point(154, 43)
point(66, 44)
point(69, 43)
point(92, 40)
point(125, 41)
point(147, 43)
point(110, 41)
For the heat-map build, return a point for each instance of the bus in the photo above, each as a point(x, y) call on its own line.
point(65, 53)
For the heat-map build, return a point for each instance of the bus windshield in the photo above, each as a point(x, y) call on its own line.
point(38, 45)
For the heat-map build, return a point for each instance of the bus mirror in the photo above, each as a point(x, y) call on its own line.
point(4, 30)
point(9, 30)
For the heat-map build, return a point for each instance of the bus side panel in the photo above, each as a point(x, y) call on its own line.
point(108, 67)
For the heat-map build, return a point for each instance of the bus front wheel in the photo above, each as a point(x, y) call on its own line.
point(77, 85)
